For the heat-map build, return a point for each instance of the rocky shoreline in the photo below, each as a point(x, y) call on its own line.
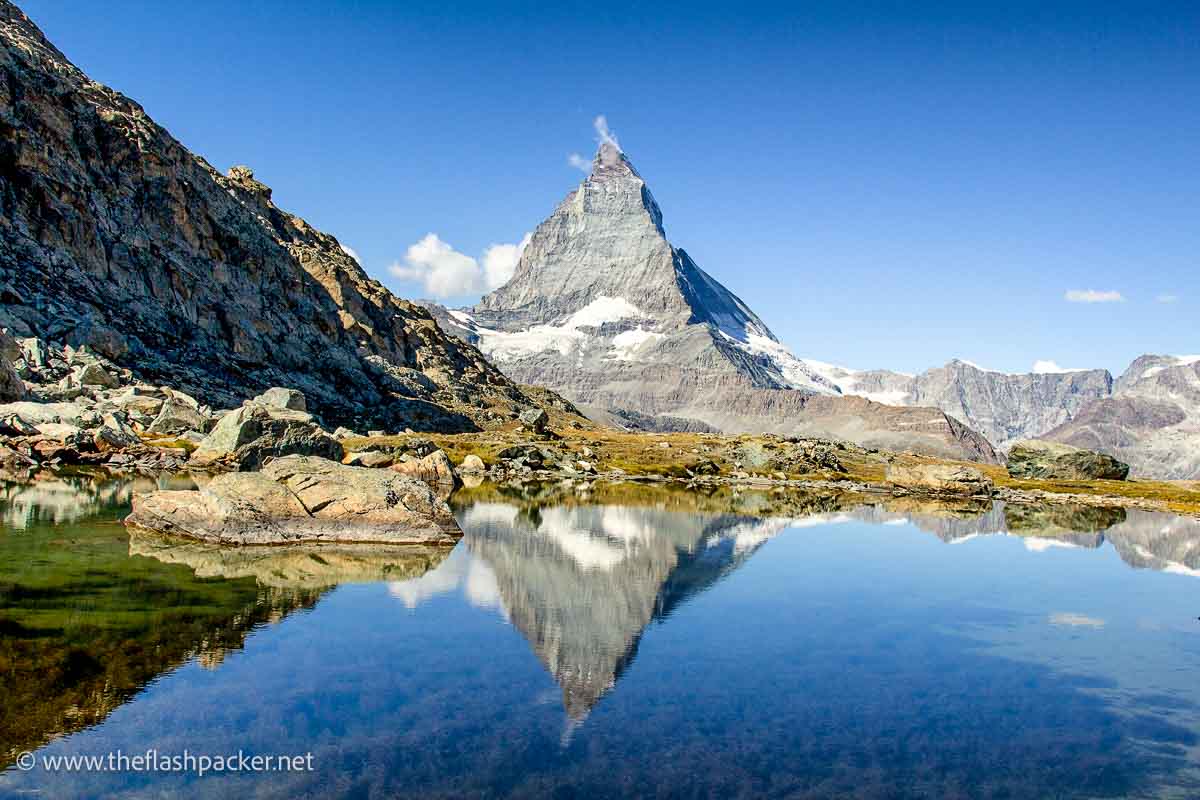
point(72, 408)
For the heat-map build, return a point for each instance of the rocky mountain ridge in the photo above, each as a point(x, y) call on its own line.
point(1148, 417)
point(115, 237)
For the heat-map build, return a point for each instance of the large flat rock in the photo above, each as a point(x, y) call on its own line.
point(301, 499)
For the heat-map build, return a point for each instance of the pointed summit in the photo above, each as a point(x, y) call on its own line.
point(610, 161)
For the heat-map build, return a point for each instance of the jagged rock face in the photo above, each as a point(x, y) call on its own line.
point(603, 309)
point(116, 236)
point(1152, 421)
point(1002, 406)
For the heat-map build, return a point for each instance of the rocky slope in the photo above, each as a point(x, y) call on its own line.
point(603, 309)
point(1151, 421)
point(114, 236)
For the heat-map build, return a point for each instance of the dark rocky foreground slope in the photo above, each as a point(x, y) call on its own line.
point(114, 236)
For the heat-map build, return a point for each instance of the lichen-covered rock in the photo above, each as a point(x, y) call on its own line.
point(1042, 460)
point(945, 479)
point(301, 499)
point(247, 437)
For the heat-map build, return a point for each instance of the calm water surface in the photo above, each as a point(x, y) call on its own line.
point(612, 642)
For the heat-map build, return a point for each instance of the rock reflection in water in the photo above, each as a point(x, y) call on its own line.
point(294, 566)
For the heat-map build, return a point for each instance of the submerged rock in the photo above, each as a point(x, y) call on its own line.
point(301, 499)
point(1037, 459)
point(946, 479)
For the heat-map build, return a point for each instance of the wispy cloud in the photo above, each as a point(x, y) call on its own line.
point(1093, 296)
point(1075, 620)
point(604, 135)
point(1167, 298)
point(350, 251)
point(443, 271)
point(579, 162)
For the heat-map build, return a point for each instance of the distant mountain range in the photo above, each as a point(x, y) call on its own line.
point(1149, 417)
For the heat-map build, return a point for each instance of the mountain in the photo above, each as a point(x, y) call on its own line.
point(113, 235)
point(603, 309)
point(1003, 407)
point(1151, 421)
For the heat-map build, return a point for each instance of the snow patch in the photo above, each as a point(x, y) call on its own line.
point(794, 372)
point(565, 337)
point(625, 345)
point(1048, 367)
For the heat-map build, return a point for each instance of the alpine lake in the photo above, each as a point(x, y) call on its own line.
point(606, 640)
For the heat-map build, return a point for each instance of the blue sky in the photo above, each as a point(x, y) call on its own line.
point(886, 187)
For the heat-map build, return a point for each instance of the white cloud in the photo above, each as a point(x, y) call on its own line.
point(579, 162)
point(442, 271)
point(1093, 296)
point(1167, 298)
point(350, 251)
point(500, 261)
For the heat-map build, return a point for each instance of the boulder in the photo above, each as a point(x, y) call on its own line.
point(373, 459)
point(114, 433)
point(11, 386)
point(278, 397)
point(1042, 460)
point(301, 499)
point(38, 413)
point(434, 469)
point(177, 416)
point(345, 433)
point(535, 419)
point(94, 374)
point(249, 436)
point(472, 464)
point(944, 479)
